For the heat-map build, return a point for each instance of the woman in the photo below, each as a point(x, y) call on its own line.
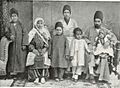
point(39, 37)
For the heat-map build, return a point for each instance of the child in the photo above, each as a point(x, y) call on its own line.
point(59, 52)
point(39, 37)
point(77, 53)
point(104, 50)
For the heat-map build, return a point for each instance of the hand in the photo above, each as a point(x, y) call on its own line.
point(23, 47)
point(12, 37)
point(71, 58)
point(49, 56)
point(67, 57)
point(35, 52)
point(46, 46)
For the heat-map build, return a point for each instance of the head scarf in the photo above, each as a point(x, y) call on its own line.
point(99, 15)
point(66, 7)
point(38, 19)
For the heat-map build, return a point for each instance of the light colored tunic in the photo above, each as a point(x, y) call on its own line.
point(100, 48)
point(68, 28)
point(77, 50)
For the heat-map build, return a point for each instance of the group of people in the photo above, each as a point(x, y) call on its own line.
point(68, 49)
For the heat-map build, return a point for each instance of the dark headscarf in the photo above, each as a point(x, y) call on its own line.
point(99, 15)
point(58, 24)
point(66, 7)
point(13, 11)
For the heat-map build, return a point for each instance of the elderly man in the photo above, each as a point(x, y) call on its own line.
point(91, 33)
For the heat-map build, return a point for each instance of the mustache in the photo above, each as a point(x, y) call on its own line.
point(97, 26)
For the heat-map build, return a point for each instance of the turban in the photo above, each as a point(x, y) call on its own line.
point(99, 15)
point(58, 24)
point(66, 7)
point(13, 11)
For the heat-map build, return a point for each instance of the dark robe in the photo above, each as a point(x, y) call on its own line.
point(16, 56)
point(59, 49)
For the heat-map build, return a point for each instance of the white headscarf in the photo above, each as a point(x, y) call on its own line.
point(38, 19)
point(43, 30)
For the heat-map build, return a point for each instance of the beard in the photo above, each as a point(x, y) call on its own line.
point(97, 26)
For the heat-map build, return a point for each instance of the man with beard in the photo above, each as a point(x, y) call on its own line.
point(91, 33)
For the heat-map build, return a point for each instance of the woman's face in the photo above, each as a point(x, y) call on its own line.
point(40, 24)
point(14, 17)
point(67, 14)
point(78, 35)
point(59, 30)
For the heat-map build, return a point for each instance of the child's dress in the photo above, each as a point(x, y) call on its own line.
point(59, 48)
point(104, 53)
point(101, 49)
point(78, 48)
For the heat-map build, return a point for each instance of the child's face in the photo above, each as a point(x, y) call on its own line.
point(59, 30)
point(14, 17)
point(101, 35)
point(40, 24)
point(78, 35)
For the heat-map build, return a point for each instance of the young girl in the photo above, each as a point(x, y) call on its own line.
point(77, 53)
point(59, 52)
point(104, 51)
point(38, 44)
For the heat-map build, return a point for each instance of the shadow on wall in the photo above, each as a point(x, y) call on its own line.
point(82, 12)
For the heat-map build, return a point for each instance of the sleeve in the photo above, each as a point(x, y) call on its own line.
point(50, 47)
point(72, 50)
point(67, 50)
point(86, 46)
point(31, 45)
point(7, 33)
point(86, 36)
point(114, 39)
point(24, 36)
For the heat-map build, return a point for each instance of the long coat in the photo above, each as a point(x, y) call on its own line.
point(59, 48)
point(17, 56)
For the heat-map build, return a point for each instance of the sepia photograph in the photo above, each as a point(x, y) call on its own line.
point(59, 44)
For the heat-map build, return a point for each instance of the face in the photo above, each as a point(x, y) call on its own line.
point(78, 35)
point(40, 24)
point(67, 14)
point(97, 23)
point(14, 17)
point(101, 35)
point(59, 30)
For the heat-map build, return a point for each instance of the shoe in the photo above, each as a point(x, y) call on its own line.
point(92, 81)
point(57, 79)
point(43, 80)
point(61, 79)
point(75, 80)
point(36, 81)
